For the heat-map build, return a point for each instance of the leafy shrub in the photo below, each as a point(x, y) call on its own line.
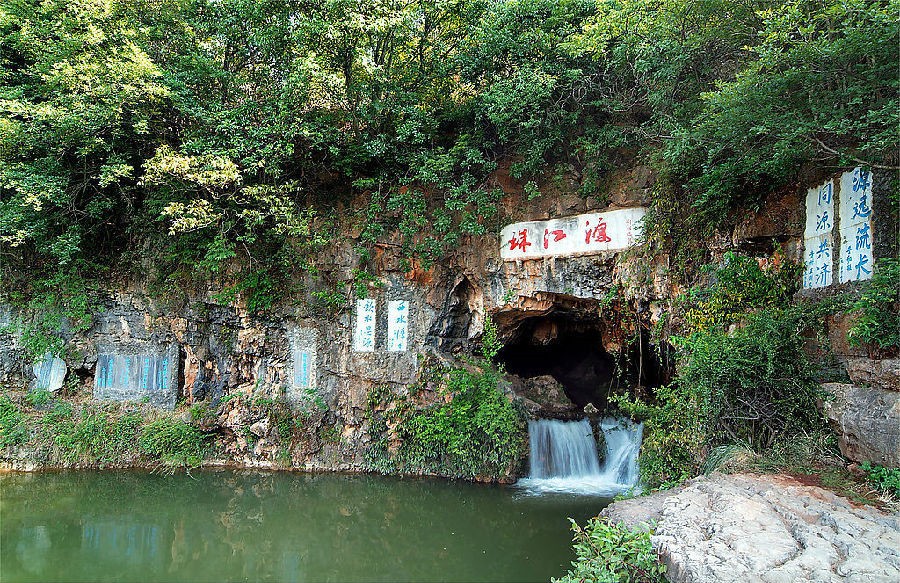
point(174, 442)
point(477, 431)
point(887, 479)
point(282, 414)
point(879, 322)
point(738, 285)
point(611, 553)
point(308, 403)
point(12, 427)
point(756, 383)
point(749, 387)
point(490, 342)
point(674, 434)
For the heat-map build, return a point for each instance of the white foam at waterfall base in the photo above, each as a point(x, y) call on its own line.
point(564, 457)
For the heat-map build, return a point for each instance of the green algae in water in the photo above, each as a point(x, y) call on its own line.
point(252, 526)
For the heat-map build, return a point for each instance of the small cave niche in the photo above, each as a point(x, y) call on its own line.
point(573, 348)
point(762, 246)
point(84, 378)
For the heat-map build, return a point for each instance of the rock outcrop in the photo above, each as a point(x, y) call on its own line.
point(544, 396)
point(773, 529)
point(877, 372)
point(867, 422)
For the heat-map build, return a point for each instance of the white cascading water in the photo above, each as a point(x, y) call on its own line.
point(564, 457)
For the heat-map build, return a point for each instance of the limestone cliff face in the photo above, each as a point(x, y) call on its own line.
point(560, 318)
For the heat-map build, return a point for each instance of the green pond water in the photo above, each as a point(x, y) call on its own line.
point(252, 526)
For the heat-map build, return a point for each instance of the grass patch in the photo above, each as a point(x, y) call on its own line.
point(38, 398)
point(173, 442)
point(93, 436)
point(813, 459)
point(885, 479)
point(13, 430)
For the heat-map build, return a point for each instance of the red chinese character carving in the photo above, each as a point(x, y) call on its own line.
point(597, 234)
point(520, 241)
point(558, 235)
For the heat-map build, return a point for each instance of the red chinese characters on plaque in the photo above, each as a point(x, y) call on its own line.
point(578, 235)
point(597, 233)
point(519, 241)
point(553, 237)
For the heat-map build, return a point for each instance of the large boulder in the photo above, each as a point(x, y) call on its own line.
point(867, 421)
point(544, 396)
point(774, 529)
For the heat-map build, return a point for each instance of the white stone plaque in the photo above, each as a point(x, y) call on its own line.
point(818, 240)
point(818, 261)
point(302, 373)
point(49, 373)
point(303, 345)
point(398, 322)
point(135, 376)
point(577, 235)
point(856, 226)
point(819, 210)
point(364, 333)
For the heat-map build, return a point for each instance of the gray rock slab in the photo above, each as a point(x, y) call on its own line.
point(867, 421)
point(49, 373)
point(882, 373)
point(772, 529)
point(544, 396)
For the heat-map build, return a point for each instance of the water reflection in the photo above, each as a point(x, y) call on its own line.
point(230, 526)
point(33, 547)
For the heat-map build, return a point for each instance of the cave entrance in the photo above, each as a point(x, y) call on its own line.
point(581, 353)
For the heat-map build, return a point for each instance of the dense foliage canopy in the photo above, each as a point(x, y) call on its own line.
point(213, 133)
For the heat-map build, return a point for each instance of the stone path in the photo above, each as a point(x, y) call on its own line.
point(773, 529)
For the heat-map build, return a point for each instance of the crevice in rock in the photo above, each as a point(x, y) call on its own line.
point(85, 377)
point(451, 332)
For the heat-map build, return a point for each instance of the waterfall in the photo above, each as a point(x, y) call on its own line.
point(562, 449)
point(564, 457)
point(623, 443)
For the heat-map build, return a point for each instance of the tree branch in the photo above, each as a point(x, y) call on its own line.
point(857, 160)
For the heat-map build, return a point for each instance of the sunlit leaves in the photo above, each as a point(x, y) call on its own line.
point(223, 131)
point(207, 172)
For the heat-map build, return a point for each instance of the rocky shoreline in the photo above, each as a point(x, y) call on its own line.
point(767, 528)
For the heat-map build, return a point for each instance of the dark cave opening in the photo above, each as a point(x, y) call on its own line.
point(571, 348)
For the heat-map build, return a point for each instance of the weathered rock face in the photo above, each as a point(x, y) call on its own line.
point(211, 350)
point(883, 373)
point(867, 421)
point(544, 396)
point(765, 528)
point(564, 314)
